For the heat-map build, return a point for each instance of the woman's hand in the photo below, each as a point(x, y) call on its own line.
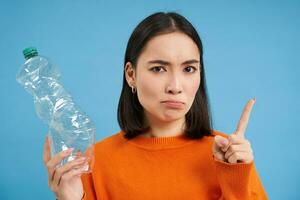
point(64, 181)
point(236, 148)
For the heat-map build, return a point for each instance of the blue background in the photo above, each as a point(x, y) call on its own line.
point(250, 49)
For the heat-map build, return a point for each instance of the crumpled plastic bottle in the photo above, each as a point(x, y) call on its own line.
point(69, 126)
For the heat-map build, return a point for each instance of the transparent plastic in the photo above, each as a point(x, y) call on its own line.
point(69, 126)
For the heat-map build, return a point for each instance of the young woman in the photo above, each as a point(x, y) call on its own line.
point(166, 148)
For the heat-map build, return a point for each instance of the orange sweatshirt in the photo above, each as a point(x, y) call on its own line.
point(167, 168)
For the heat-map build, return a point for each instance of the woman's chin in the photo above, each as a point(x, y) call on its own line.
point(170, 118)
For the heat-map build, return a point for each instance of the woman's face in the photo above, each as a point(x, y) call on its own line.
point(168, 69)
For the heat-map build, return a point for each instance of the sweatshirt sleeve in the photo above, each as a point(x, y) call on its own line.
point(88, 187)
point(239, 181)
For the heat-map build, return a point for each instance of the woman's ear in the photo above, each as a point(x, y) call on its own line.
point(130, 74)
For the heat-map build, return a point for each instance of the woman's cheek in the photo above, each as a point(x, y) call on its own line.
point(192, 90)
point(147, 93)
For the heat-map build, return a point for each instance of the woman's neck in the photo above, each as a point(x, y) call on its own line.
point(165, 129)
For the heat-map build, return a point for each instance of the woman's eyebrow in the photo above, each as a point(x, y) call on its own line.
point(163, 62)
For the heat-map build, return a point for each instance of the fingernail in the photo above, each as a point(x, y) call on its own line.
point(81, 159)
point(254, 99)
point(85, 167)
point(69, 150)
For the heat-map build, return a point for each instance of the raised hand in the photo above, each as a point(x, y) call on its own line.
point(236, 148)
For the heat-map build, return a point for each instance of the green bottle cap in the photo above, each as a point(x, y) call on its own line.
point(30, 52)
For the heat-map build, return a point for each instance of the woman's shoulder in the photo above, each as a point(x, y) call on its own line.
point(111, 140)
point(115, 137)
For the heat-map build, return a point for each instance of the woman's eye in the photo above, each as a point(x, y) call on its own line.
point(190, 69)
point(156, 69)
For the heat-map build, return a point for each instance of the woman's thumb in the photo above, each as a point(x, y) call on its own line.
point(221, 141)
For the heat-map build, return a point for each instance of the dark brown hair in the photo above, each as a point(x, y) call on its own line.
point(130, 111)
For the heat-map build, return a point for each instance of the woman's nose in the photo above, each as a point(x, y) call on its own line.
point(174, 85)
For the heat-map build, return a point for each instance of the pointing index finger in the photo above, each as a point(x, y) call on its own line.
point(242, 125)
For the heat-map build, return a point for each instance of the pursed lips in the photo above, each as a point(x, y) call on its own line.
point(172, 101)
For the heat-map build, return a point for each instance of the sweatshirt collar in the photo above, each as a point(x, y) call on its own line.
point(158, 143)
